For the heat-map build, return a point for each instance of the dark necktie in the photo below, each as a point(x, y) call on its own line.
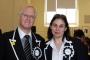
point(27, 49)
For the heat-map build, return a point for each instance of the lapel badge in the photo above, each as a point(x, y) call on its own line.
point(12, 42)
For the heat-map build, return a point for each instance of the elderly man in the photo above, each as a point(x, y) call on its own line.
point(22, 43)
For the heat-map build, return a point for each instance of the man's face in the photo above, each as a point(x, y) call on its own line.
point(27, 18)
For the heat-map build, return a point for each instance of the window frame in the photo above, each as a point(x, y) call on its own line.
point(75, 24)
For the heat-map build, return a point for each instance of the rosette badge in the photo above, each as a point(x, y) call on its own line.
point(37, 53)
point(68, 51)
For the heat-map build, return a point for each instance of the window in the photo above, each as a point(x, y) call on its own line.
point(66, 7)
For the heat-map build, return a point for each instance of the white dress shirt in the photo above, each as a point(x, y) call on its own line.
point(57, 54)
point(22, 34)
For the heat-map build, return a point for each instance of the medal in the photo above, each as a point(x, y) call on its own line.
point(37, 52)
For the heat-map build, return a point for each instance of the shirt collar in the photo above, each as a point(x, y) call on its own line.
point(22, 34)
point(52, 44)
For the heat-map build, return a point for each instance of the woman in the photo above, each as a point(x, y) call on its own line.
point(60, 45)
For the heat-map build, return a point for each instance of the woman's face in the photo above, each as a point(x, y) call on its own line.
point(58, 28)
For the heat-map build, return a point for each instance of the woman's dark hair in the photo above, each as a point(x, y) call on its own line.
point(63, 17)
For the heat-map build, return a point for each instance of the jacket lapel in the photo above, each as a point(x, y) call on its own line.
point(34, 44)
point(18, 47)
point(49, 53)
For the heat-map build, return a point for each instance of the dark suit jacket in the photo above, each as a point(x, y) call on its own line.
point(1, 47)
point(80, 51)
point(8, 52)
